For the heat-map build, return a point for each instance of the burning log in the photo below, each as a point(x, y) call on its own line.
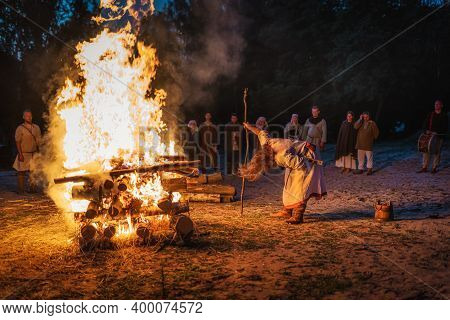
point(165, 204)
point(123, 185)
point(143, 232)
point(116, 208)
point(135, 205)
point(171, 166)
point(168, 207)
point(108, 184)
point(88, 232)
point(109, 232)
point(92, 210)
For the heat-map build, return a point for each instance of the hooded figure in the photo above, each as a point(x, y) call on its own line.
point(303, 179)
point(345, 145)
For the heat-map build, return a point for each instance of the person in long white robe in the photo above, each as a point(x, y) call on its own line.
point(303, 178)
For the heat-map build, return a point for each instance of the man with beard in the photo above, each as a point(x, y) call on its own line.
point(315, 129)
point(345, 145)
point(303, 178)
point(28, 136)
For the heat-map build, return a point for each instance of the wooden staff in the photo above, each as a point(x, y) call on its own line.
point(246, 150)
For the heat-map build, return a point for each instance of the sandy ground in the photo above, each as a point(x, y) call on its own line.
point(339, 253)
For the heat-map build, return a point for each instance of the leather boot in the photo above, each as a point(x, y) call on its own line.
point(20, 183)
point(283, 213)
point(297, 215)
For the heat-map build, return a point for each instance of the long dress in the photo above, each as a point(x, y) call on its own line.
point(302, 179)
point(345, 146)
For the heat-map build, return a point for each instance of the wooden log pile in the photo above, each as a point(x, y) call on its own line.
point(113, 210)
point(172, 223)
point(203, 188)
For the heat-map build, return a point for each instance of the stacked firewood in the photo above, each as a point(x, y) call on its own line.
point(202, 188)
point(115, 210)
point(98, 225)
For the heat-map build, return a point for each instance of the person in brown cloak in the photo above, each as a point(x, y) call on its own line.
point(345, 146)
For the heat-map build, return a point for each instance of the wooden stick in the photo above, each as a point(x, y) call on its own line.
point(246, 150)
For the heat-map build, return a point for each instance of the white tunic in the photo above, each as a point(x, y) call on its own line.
point(28, 138)
point(302, 179)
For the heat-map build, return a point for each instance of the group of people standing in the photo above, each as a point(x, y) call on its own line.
point(354, 147)
point(354, 143)
point(201, 142)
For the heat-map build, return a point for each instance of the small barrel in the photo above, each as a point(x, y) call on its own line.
point(384, 211)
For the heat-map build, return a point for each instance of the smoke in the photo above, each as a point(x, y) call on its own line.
point(221, 46)
point(209, 49)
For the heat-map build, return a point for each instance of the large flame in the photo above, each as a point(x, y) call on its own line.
point(111, 114)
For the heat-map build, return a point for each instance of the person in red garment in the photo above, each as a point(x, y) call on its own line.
point(303, 178)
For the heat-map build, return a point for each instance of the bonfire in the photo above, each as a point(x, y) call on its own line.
point(108, 138)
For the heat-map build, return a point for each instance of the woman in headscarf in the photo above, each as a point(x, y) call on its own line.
point(345, 145)
point(303, 178)
point(261, 123)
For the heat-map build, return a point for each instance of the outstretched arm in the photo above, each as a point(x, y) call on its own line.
point(251, 128)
